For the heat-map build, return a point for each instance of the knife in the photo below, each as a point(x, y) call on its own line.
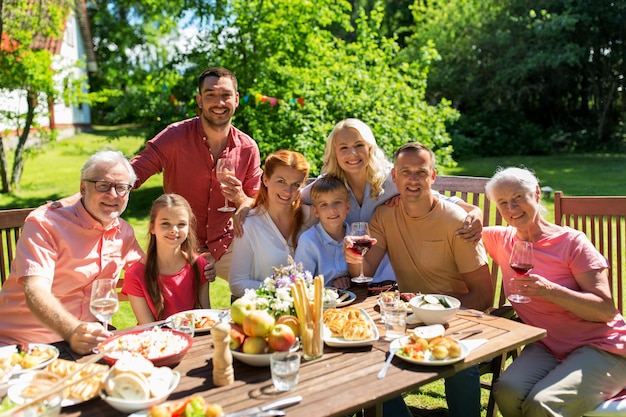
point(285, 402)
point(467, 332)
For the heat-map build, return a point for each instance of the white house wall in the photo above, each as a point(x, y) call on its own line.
point(69, 119)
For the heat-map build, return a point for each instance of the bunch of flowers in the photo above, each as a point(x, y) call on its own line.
point(275, 294)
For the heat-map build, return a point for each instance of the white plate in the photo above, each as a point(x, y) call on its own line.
point(199, 315)
point(347, 301)
point(428, 359)
point(341, 342)
point(18, 370)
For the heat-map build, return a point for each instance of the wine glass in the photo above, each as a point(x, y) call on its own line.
point(104, 302)
point(361, 243)
point(522, 262)
point(225, 167)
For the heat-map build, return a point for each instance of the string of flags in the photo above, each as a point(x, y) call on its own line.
point(259, 98)
point(251, 99)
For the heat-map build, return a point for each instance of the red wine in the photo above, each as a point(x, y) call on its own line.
point(361, 245)
point(521, 269)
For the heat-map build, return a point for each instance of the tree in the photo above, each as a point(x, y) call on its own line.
point(27, 69)
point(285, 49)
point(528, 79)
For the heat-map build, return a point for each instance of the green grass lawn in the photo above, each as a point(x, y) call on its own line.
point(54, 171)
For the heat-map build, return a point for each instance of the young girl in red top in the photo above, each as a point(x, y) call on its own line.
point(169, 278)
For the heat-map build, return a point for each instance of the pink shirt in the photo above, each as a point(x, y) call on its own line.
point(71, 249)
point(178, 290)
point(180, 152)
point(558, 258)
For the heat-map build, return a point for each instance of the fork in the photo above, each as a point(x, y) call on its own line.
point(383, 371)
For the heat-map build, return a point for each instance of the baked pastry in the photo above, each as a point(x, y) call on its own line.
point(357, 329)
point(83, 390)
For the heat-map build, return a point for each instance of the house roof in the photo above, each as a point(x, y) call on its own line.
point(54, 45)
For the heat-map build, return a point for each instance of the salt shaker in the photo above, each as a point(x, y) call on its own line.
point(223, 373)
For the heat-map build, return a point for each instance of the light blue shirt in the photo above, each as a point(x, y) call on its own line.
point(321, 254)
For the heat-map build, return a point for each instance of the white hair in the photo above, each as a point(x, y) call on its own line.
point(108, 158)
point(523, 176)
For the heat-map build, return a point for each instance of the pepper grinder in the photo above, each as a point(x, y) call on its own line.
point(223, 373)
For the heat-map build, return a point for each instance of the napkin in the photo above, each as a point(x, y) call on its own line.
point(472, 344)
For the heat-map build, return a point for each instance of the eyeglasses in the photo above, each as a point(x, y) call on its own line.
point(105, 186)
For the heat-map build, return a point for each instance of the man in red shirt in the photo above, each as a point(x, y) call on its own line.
point(187, 153)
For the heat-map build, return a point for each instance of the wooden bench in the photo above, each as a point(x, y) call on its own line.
point(603, 220)
point(11, 222)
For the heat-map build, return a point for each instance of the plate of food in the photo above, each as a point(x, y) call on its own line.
point(58, 369)
point(204, 319)
point(16, 361)
point(441, 350)
point(161, 346)
point(349, 327)
point(345, 298)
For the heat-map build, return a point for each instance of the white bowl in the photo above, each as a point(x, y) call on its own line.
point(428, 314)
point(259, 359)
point(130, 406)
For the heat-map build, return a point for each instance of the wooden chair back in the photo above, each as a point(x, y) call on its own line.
point(603, 220)
point(11, 222)
point(472, 191)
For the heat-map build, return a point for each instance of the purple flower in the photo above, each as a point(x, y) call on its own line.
point(283, 282)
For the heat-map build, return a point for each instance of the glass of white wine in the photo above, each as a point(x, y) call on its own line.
point(225, 168)
point(104, 301)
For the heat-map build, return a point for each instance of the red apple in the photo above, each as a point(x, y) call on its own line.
point(254, 345)
point(236, 336)
point(291, 321)
point(281, 338)
point(258, 323)
point(239, 309)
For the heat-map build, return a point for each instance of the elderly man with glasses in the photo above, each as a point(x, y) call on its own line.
point(60, 253)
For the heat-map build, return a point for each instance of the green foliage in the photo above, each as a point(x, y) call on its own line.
point(283, 49)
point(556, 68)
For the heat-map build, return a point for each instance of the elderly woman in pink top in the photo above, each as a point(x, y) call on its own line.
point(581, 362)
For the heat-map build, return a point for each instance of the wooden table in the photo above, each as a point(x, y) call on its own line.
point(343, 381)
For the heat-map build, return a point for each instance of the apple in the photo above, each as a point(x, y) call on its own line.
point(258, 323)
point(281, 338)
point(254, 345)
point(237, 336)
point(239, 309)
point(291, 321)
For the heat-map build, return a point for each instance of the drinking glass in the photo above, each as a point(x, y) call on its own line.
point(225, 168)
point(395, 323)
point(388, 300)
point(361, 243)
point(284, 367)
point(104, 302)
point(522, 262)
point(184, 322)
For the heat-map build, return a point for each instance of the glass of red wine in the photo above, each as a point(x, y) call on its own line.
point(522, 262)
point(361, 243)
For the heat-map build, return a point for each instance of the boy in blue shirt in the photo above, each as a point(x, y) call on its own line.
point(320, 248)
